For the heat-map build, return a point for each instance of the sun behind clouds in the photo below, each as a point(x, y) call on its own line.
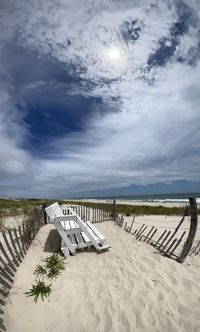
point(114, 54)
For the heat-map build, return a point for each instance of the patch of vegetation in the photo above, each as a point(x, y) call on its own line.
point(9, 207)
point(136, 209)
point(54, 266)
point(40, 271)
point(51, 269)
point(39, 289)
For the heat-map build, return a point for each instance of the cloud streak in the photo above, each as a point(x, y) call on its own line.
point(149, 131)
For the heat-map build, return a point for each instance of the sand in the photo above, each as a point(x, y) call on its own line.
point(129, 288)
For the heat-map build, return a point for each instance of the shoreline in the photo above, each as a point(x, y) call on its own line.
point(136, 202)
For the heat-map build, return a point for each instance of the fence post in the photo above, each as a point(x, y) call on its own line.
point(192, 231)
point(44, 213)
point(114, 209)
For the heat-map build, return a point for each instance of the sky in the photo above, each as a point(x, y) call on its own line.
point(99, 97)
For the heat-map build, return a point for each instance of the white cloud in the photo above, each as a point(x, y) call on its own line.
point(154, 136)
point(12, 132)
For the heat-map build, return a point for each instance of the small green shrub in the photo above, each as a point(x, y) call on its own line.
point(51, 269)
point(54, 266)
point(40, 271)
point(39, 289)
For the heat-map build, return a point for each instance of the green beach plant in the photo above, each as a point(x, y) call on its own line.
point(51, 269)
point(40, 271)
point(39, 289)
point(54, 266)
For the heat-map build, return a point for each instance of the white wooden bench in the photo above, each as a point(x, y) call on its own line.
point(75, 233)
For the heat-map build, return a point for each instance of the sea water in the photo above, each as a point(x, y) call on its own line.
point(162, 198)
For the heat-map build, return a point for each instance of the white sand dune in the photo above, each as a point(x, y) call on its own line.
point(129, 288)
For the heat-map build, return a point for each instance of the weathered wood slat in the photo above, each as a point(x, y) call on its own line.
point(160, 238)
point(146, 238)
point(178, 242)
point(2, 326)
point(152, 235)
point(194, 250)
point(5, 274)
point(26, 238)
point(14, 245)
point(10, 249)
point(170, 247)
point(138, 233)
point(4, 292)
point(11, 265)
point(132, 223)
point(165, 238)
point(192, 231)
point(4, 283)
point(18, 243)
point(22, 240)
point(134, 232)
point(103, 214)
point(6, 267)
point(24, 235)
point(2, 302)
point(125, 226)
point(175, 231)
point(197, 250)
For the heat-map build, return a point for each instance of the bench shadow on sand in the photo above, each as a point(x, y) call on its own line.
point(53, 242)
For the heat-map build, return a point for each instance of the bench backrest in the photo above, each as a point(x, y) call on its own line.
point(54, 210)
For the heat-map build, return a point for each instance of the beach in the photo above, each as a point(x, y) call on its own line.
point(165, 203)
point(131, 287)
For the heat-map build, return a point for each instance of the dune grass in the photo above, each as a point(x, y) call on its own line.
point(25, 206)
point(138, 209)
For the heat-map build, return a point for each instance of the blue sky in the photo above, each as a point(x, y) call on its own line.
point(99, 97)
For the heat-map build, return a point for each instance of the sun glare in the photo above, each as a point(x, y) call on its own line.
point(114, 54)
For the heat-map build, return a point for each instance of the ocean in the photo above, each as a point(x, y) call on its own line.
point(163, 198)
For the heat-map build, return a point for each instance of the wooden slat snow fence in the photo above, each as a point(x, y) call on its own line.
point(94, 215)
point(15, 242)
point(172, 244)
